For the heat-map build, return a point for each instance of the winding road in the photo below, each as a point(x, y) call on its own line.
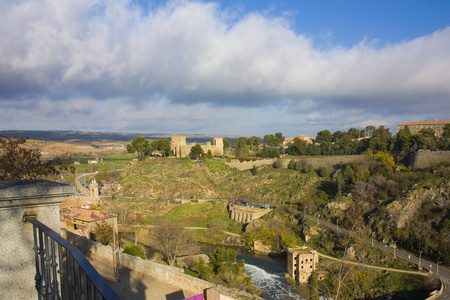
point(436, 269)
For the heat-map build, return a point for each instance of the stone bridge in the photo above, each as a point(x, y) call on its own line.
point(245, 214)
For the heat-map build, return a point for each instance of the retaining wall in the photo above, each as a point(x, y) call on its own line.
point(426, 159)
point(315, 161)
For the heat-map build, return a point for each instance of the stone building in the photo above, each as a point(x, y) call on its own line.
point(301, 263)
point(415, 127)
point(82, 218)
point(180, 148)
point(93, 189)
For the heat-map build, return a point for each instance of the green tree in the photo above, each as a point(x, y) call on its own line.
point(162, 145)
point(274, 140)
point(241, 147)
point(196, 152)
point(369, 130)
point(297, 147)
point(403, 140)
point(254, 142)
point(314, 286)
point(354, 133)
point(226, 144)
point(139, 145)
point(324, 136)
point(380, 140)
point(446, 131)
point(226, 270)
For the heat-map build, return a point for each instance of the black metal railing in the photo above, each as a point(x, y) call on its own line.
point(62, 271)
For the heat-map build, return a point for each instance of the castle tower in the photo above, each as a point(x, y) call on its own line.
point(177, 144)
point(93, 189)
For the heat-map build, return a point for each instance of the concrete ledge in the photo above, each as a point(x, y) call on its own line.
point(17, 193)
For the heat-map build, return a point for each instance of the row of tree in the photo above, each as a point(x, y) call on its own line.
point(143, 147)
point(373, 140)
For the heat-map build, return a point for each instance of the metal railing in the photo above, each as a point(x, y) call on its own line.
point(62, 271)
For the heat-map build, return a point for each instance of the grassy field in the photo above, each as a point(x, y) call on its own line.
point(104, 163)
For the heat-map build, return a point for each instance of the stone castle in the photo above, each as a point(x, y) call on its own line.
point(180, 148)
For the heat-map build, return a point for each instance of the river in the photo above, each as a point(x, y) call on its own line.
point(268, 274)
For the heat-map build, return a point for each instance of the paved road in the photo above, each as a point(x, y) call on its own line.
point(443, 273)
point(83, 186)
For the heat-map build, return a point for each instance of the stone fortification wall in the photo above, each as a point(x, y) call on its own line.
point(315, 161)
point(180, 148)
point(170, 275)
point(426, 159)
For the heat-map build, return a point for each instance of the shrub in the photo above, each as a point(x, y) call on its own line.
point(291, 164)
point(135, 250)
point(324, 172)
point(277, 164)
point(254, 170)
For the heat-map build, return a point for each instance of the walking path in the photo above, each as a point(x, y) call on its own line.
point(133, 285)
point(373, 267)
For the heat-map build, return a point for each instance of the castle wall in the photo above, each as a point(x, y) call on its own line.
point(315, 161)
point(426, 159)
point(180, 148)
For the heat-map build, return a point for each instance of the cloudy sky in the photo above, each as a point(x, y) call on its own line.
point(227, 67)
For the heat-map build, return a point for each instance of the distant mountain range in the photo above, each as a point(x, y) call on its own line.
point(93, 136)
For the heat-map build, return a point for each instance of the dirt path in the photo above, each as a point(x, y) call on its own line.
point(373, 267)
point(134, 285)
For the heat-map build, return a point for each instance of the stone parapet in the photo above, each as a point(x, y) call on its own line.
point(38, 198)
point(171, 275)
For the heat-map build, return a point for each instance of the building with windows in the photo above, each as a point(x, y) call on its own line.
point(79, 216)
point(301, 263)
point(415, 127)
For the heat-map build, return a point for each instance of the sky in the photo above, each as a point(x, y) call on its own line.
point(230, 67)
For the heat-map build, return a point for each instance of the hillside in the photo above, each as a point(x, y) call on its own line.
point(411, 207)
point(212, 179)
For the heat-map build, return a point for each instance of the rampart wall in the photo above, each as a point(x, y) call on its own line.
point(426, 159)
point(315, 161)
point(180, 148)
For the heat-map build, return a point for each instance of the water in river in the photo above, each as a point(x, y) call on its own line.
point(268, 274)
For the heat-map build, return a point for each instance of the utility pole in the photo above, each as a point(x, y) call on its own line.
point(437, 268)
point(114, 255)
point(372, 237)
point(420, 258)
point(395, 247)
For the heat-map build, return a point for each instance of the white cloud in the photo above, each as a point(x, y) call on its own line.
point(197, 57)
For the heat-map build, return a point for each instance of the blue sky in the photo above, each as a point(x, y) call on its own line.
point(222, 67)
